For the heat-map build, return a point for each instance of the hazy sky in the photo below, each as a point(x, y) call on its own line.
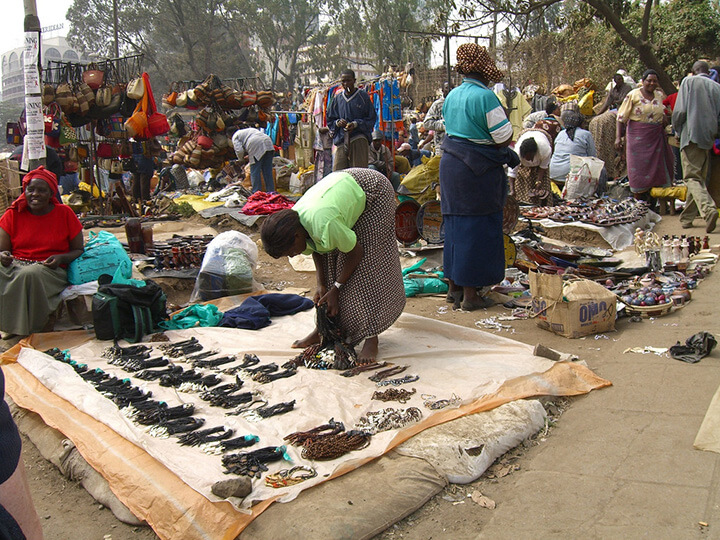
point(50, 12)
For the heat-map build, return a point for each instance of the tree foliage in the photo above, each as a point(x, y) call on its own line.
point(284, 30)
point(681, 32)
point(374, 29)
point(661, 35)
point(181, 39)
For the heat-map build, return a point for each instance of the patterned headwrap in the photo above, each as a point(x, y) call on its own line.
point(572, 119)
point(473, 58)
point(44, 174)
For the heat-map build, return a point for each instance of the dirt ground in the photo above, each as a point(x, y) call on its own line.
point(67, 511)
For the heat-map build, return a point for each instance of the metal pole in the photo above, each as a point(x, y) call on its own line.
point(34, 143)
point(115, 29)
point(447, 59)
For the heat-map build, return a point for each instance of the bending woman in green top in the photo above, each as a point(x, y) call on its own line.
point(347, 222)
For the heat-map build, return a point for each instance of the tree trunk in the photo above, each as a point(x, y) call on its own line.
point(644, 48)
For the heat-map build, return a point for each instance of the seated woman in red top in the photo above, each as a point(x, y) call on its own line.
point(39, 237)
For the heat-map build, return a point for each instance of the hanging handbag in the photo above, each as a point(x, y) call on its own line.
point(116, 167)
point(87, 92)
point(249, 98)
point(104, 150)
point(67, 133)
point(48, 95)
point(136, 89)
point(12, 133)
point(93, 77)
point(51, 115)
point(81, 98)
point(264, 99)
point(63, 96)
point(103, 96)
point(157, 122)
point(72, 154)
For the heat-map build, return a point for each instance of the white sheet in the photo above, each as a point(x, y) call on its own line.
point(449, 359)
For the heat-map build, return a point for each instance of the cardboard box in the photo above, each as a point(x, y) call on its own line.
point(571, 308)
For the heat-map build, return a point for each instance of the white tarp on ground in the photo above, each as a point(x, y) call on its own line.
point(449, 360)
point(618, 236)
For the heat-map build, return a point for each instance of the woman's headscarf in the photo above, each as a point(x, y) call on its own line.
point(571, 119)
point(44, 174)
point(473, 58)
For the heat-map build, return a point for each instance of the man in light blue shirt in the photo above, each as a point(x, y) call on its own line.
point(696, 118)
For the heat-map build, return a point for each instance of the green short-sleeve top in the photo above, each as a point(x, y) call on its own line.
point(328, 211)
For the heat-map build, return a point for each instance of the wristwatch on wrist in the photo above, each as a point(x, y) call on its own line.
point(338, 285)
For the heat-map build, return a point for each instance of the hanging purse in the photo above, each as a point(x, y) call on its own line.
point(103, 96)
point(116, 167)
point(136, 89)
point(157, 122)
point(93, 77)
point(249, 98)
point(63, 96)
point(48, 95)
point(67, 134)
point(51, 115)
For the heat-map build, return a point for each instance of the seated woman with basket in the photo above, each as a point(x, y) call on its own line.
point(39, 237)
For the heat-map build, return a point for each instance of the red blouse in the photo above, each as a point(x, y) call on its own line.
point(37, 237)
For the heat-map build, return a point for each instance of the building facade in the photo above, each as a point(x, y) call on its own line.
point(13, 83)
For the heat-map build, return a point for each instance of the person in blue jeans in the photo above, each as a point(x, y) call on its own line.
point(260, 151)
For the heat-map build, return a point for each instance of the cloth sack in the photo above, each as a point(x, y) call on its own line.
point(103, 254)
point(583, 178)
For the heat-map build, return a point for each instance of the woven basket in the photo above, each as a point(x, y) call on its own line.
point(4, 191)
point(649, 311)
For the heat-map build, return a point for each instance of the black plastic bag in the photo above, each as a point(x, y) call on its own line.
point(696, 347)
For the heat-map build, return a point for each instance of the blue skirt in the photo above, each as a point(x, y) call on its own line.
point(474, 252)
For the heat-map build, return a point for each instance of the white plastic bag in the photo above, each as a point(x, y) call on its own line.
point(584, 176)
point(195, 178)
point(227, 267)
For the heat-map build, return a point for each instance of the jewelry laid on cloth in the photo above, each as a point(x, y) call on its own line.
point(174, 427)
point(334, 446)
point(394, 394)
point(253, 464)
point(181, 348)
point(385, 419)
point(397, 382)
point(384, 374)
point(264, 378)
point(248, 360)
point(290, 477)
point(141, 351)
point(219, 447)
point(202, 384)
point(434, 404)
point(197, 438)
point(299, 438)
point(212, 363)
point(249, 373)
point(363, 367)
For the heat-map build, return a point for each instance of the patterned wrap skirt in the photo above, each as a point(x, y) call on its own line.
point(374, 296)
point(650, 160)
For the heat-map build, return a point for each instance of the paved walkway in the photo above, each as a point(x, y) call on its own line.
point(621, 463)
